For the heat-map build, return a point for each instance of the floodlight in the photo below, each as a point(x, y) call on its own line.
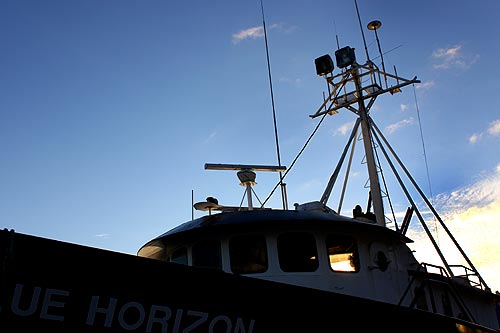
point(324, 65)
point(345, 57)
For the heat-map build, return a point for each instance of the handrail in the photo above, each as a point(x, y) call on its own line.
point(423, 268)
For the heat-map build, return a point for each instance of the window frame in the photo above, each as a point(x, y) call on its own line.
point(290, 257)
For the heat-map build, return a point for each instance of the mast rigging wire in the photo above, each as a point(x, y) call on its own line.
point(423, 144)
point(386, 189)
point(303, 147)
point(425, 157)
point(296, 157)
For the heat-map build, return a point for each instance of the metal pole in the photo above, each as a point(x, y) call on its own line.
point(249, 196)
point(375, 191)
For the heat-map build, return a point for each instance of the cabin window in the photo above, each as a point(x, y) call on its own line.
point(343, 253)
point(297, 252)
point(180, 256)
point(207, 253)
point(248, 254)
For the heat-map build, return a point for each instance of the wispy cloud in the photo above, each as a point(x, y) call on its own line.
point(493, 130)
point(425, 85)
point(403, 107)
point(103, 236)
point(471, 214)
point(211, 136)
point(310, 187)
point(475, 138)
point(452, 57)
point(400, 124)
point(344, 129)
point(251, 33)
point(482, 193)
point(295, 82)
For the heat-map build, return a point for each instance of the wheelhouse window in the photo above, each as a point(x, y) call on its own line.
point(207, 253)
point(248, 254)
point(343, 253)
point(297, 252)
point(179, 256)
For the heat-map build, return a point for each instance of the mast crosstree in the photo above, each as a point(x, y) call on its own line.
point(354, 100)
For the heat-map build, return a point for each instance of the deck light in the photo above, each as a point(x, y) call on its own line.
point(374, 25)
point(345, 57)
point(324, 65)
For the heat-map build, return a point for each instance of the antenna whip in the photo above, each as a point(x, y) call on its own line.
point(362, 33)
point(283, 194)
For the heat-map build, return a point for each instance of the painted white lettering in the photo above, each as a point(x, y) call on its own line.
point(240, 326)
point(177, 323)
point(109, 311)
point(16, 300)
point(202, 317)
point(225, 319)
point(156, 319)
point(140, 319)
point(49, 302)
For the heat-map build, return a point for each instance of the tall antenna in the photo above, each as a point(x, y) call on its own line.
point(283, 185)
point(336, 34)
point(362, 33)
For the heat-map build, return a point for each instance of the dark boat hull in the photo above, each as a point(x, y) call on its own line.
point(48, 285)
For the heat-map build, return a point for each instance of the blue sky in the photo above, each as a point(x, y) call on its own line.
point(110, 109)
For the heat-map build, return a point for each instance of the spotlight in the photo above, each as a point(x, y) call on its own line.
point(345, 57)
point(324, 65)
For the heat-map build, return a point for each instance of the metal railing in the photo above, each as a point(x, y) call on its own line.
point(445, 281)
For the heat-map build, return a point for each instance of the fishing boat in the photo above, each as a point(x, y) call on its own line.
point(360, 263)
point(250, 268)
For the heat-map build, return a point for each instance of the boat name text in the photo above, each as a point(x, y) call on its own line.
point(110, 312)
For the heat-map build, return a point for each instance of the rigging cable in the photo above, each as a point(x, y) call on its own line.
point(296, 157)
point(305, 144)
point(423, 145)
point(283, 194)
point(425, 157)
point(386, 189)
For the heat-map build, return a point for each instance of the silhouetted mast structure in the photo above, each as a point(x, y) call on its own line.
point(356, 88)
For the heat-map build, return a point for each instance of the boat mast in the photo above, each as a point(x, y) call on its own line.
point(375, 191)
point(351, 87)
point(366, 83)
